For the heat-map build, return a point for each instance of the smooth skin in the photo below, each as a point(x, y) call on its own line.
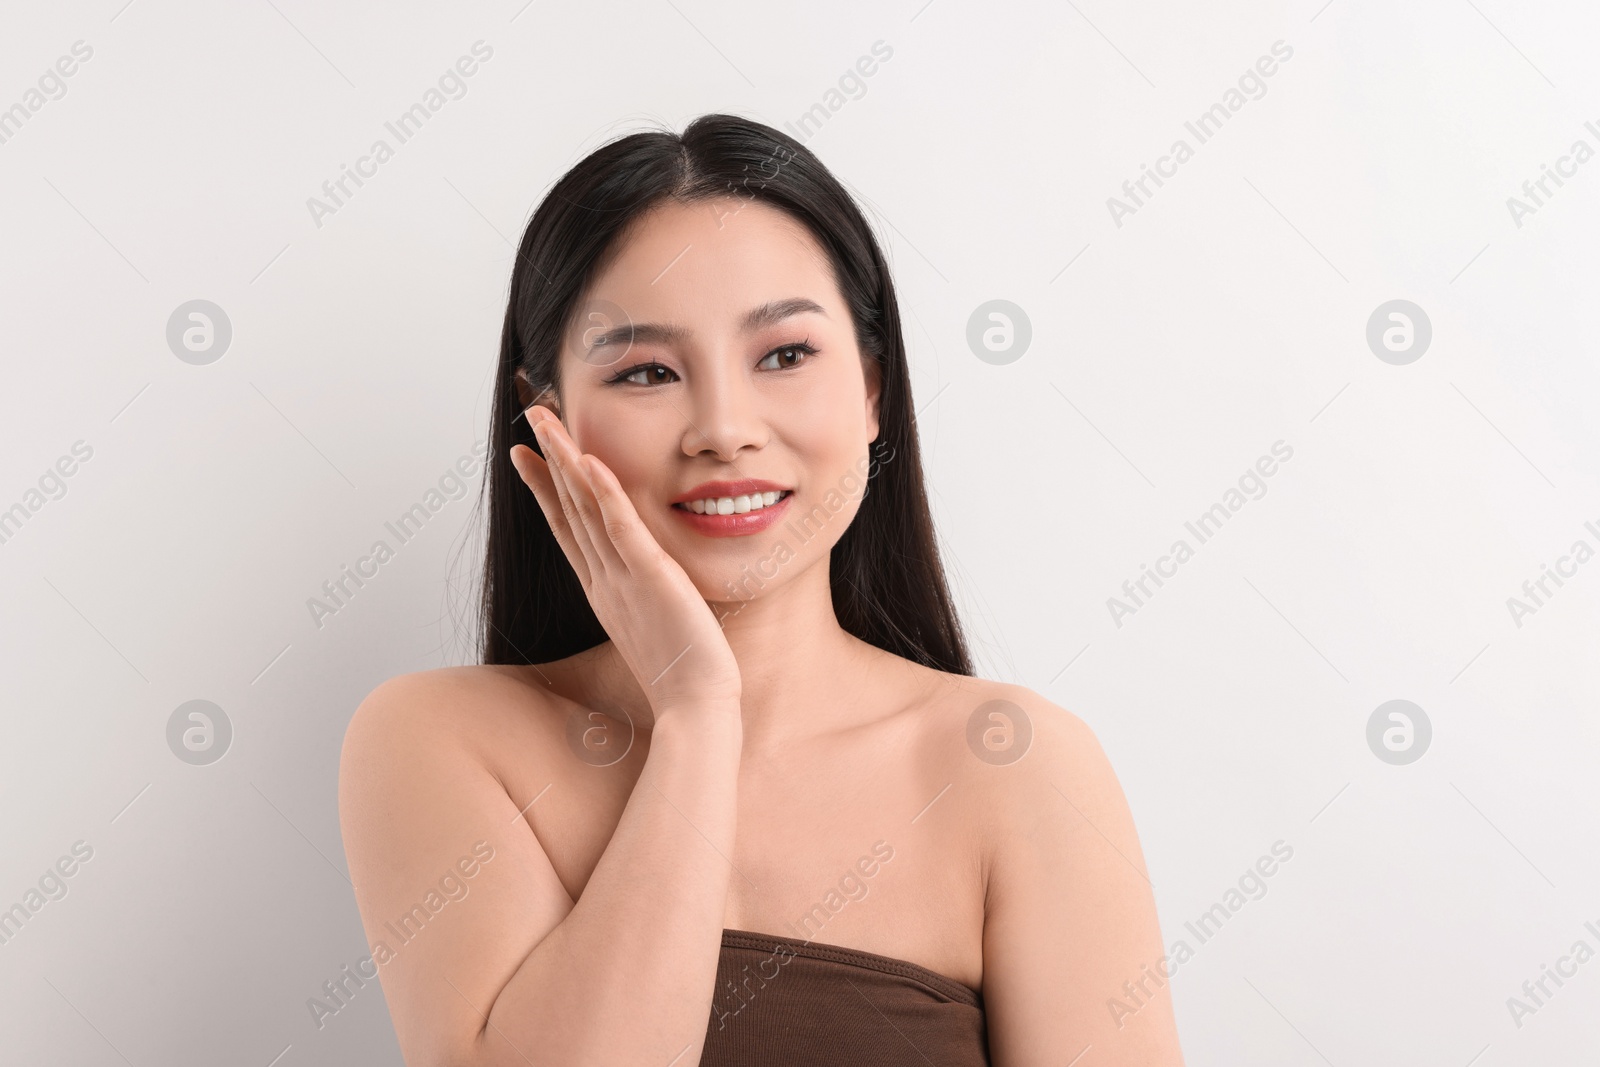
point(728, 756)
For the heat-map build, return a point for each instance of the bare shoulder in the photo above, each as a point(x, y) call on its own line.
point(422, 742)
point(474, 688)
point(1002, 726)
point(1017, 756)
point(466, 708)
point(1035, 749)
point(1054, 739)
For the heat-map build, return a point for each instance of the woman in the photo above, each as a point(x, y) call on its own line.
point(725, 790)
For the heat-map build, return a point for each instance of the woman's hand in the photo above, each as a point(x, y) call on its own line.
point(659, 623)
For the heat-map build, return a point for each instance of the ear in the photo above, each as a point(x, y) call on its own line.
point(526, 397)
point(874, 379)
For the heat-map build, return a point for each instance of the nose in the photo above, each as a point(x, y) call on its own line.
point(725, 416)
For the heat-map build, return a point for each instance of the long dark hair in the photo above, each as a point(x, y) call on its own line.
point(887, 581)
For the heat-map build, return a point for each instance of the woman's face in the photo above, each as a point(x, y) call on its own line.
point(742, 365)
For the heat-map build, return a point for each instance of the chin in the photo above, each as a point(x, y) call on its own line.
point(735, 571)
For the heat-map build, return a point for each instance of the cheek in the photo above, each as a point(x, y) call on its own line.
point(598, 436)
point(827, 436)
point(630, 456)
point(832, 454)
point(830, 411)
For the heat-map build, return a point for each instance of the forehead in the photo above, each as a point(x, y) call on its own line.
point(712, 261)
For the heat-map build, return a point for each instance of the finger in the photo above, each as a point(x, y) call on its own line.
point(537, 476)
point(558, 450)
point(636, 549)
point(588, 501)
point(580, 485)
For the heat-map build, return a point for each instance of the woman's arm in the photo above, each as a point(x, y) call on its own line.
point(506, 970)
point(1072, 953)
point(518, 973)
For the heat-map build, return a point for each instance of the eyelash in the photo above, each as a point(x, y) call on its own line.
point(798, 346)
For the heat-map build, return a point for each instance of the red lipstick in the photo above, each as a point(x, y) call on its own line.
point(733, 525)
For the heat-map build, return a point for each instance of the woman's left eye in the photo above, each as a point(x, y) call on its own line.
point(799, 351)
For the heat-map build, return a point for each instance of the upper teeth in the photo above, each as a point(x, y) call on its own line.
point(733, 505)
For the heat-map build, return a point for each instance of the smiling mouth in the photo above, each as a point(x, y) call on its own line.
point(734, 505)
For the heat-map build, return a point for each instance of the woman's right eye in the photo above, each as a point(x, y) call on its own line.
point(645, 369)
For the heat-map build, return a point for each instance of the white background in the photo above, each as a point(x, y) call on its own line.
point(1168, 353)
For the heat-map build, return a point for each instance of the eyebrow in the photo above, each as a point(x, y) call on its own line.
point(773, 311)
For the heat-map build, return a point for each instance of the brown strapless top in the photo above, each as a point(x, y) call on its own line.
point(781, 1000)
